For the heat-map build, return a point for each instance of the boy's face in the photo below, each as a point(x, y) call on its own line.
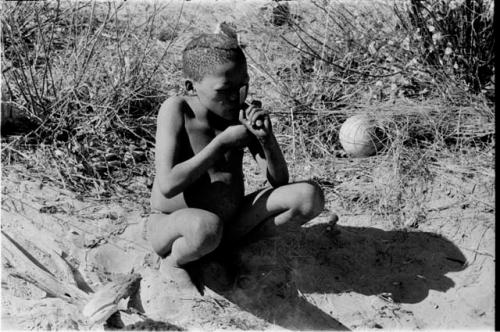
point(219, 91)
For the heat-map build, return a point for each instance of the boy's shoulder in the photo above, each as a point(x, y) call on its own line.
point(176, 107)
point(171, 115)
point(174, 104)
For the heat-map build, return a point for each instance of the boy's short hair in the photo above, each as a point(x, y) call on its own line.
point(206, 51)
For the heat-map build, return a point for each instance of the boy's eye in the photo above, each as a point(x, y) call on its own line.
point(224, 92)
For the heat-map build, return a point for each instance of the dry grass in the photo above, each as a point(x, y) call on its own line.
point(92, 75)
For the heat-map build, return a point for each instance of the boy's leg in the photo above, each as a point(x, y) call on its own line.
point(182, 237)
point(285, 207)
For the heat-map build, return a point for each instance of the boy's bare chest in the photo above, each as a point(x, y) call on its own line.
point(199, 136)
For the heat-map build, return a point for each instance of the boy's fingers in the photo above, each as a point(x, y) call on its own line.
point(255, 116)
point(254, 106)
point(267, 122)
point(260, 114)
point(249, 111)
point(241, 116)
point(243, 120)
point(256, 103)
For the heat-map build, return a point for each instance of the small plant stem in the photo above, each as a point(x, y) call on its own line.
point(294, 155)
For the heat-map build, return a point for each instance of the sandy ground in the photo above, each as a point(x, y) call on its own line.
point(360, 274)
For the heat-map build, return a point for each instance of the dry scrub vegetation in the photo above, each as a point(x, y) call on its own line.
point(82, 82)
point(90, 77)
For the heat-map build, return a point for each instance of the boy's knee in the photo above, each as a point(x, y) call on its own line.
point(207, 232)
point(310, 200)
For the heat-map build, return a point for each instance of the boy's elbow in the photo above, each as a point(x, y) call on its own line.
point(168, 194)
point(284, 180)
point(276, 184)
point(168, 190)
point(279, 181)
point(284, 176)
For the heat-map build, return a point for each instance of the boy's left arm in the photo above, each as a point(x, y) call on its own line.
point(265, 147)
point(268, 155)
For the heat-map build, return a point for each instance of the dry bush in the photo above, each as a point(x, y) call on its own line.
point(92, 76)
point(399, 182)
point(358, 58)
point(341, 60)
point(453, 38)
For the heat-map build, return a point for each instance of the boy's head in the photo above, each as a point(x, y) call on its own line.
point(216, 71)
point(206, 51)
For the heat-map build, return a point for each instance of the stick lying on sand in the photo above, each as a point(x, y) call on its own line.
point(47, 243)
point(30, 269)
point(97, 307)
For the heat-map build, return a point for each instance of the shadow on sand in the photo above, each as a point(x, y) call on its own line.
point(272, 274)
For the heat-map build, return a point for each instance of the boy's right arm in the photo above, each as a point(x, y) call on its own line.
point(175, 178)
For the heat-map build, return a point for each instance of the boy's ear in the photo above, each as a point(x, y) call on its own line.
point(188, 84)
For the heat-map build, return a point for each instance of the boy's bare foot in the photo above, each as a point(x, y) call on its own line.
point(333, 218)
point(332, 228)
point(176, 274)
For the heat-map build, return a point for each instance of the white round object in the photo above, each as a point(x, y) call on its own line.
point(358, 137)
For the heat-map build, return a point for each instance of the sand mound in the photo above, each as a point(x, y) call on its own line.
point(358, 275)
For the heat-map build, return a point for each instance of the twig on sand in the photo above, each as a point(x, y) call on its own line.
point(47, 243)
point(97, 307)
point(477, 252)
point(29, 269)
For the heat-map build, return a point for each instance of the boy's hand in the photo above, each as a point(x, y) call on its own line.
point(256, 120)
point(236, 136)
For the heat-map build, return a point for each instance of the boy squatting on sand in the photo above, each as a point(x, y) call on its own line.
point(198, 195)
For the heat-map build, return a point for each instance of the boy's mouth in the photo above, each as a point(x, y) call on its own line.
point(231, 110)
point(231, 115)
point(220, 121)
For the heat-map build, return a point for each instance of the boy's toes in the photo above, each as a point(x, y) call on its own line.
point(176, 275)
point(333, 218)
point(332, 227)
